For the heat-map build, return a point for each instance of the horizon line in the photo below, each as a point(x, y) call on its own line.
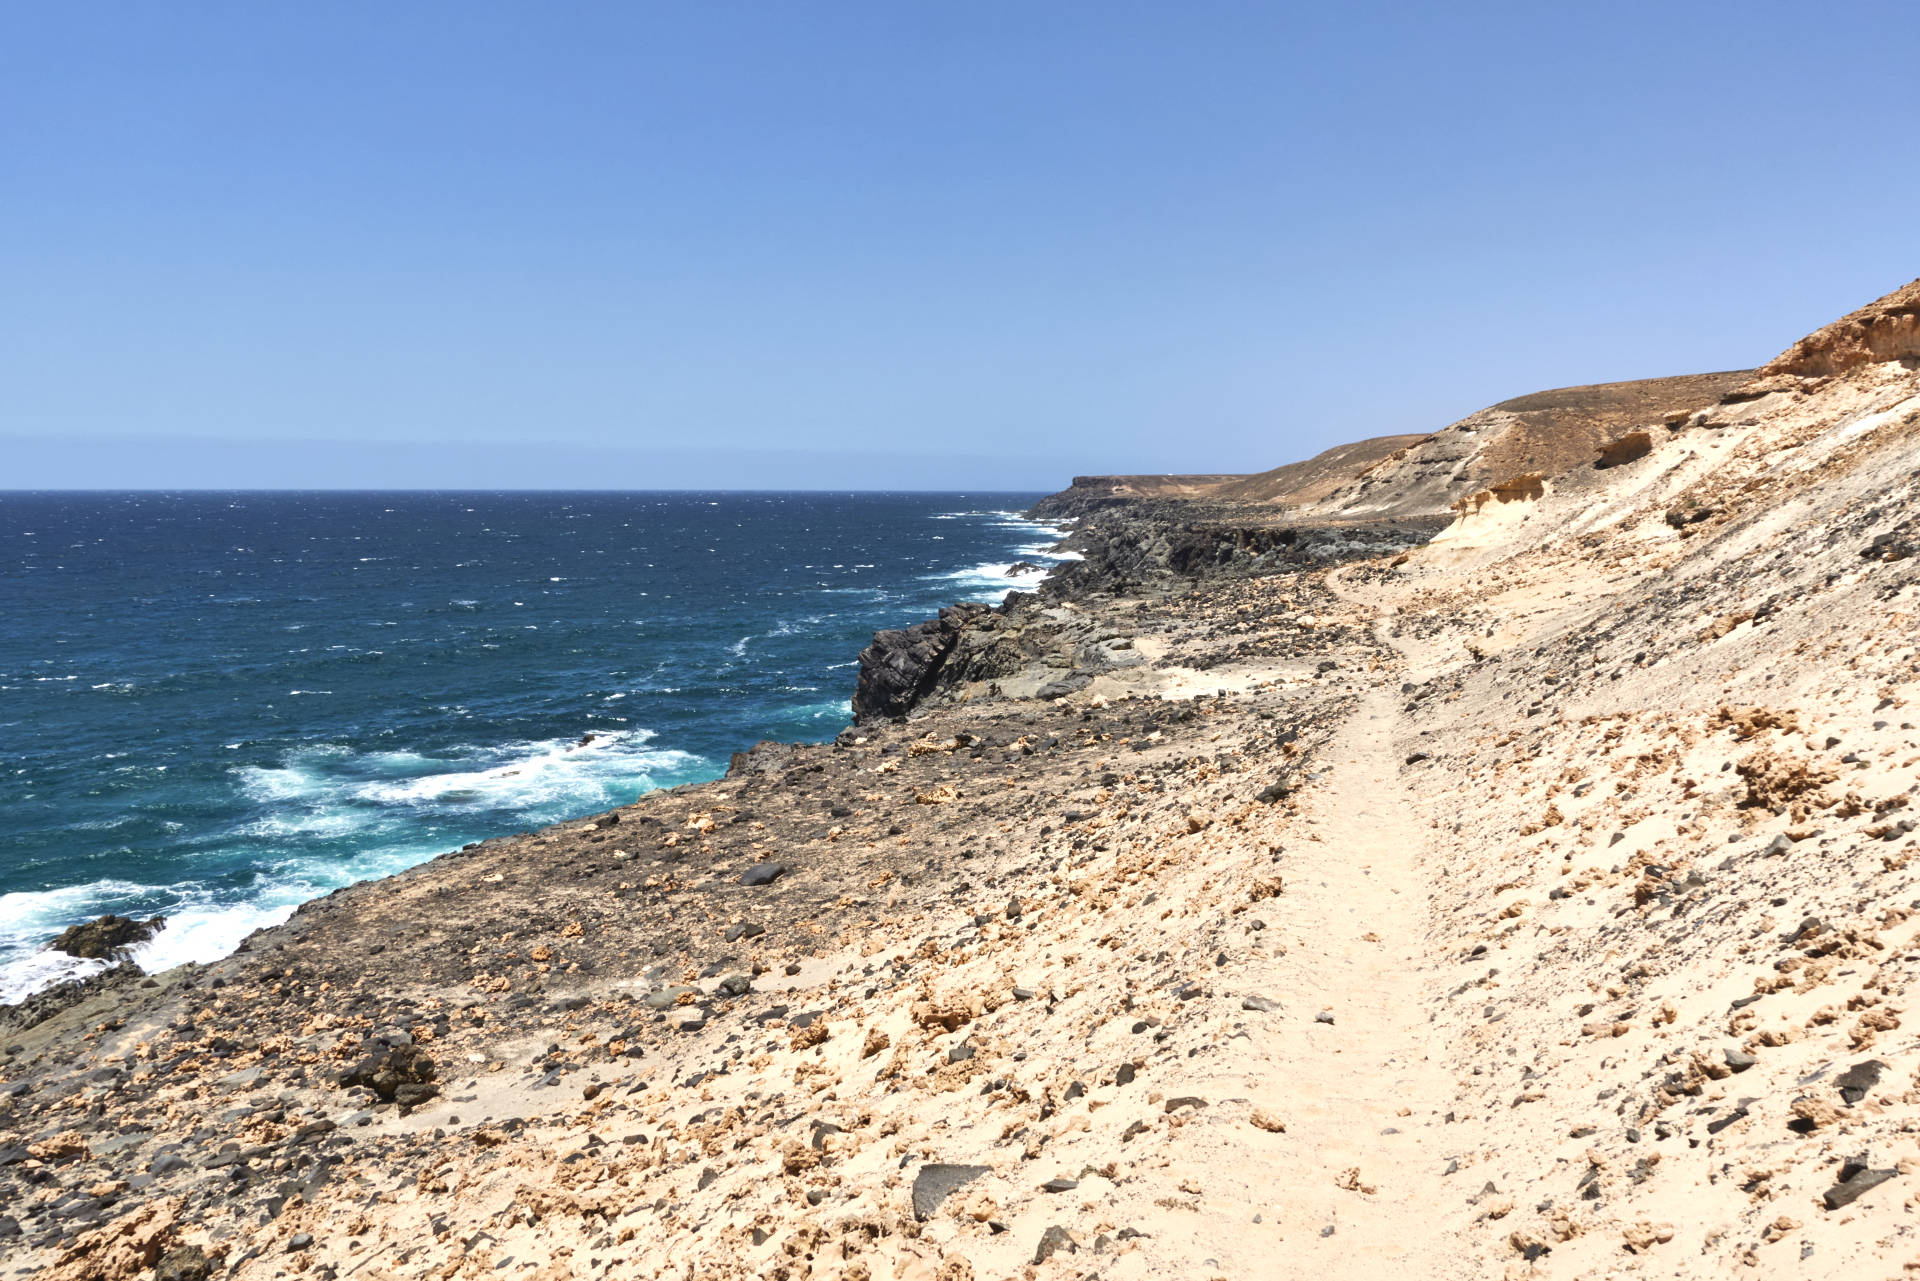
point(342, 489)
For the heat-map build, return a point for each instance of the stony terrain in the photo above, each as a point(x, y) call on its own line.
point(1530, 887)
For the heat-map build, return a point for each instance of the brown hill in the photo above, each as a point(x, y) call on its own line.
point(1307, 481)
point(1315, 478)
point(1545, 434)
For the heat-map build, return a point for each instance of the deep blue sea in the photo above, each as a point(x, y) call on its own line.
point(216, 706)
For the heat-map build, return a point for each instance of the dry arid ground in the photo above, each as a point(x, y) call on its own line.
point(1540, 900)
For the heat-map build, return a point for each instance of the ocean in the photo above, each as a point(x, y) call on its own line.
point(214, 707)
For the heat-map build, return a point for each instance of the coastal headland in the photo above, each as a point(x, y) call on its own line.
point(1489, 852)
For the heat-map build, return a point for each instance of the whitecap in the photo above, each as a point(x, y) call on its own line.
point(991, 581)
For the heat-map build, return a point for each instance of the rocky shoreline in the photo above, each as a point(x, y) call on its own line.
point(232, 1091)
point(1520, 884)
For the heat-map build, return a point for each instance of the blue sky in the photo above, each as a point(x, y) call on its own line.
point(879, 245)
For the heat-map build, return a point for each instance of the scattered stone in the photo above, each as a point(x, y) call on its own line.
point(183, 1263)
point(763, 873)
point(667, 998)
point(1053, 1241)
point(246, 1079)
point(1856, 1081)
point(934, 1183)
point(389, 1070)
point(1643, 1236)
point(1855, 1180)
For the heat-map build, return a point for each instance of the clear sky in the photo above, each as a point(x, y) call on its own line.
point(899, 244)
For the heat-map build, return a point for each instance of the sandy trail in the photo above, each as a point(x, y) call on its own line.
point(1369, 1091)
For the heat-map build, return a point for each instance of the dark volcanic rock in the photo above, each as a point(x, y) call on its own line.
point(398, 1074)
point(763, 874)
point(902, 666)
point(106, 937)
point(934, 1183)
point(183, 1263)
point(1855, 1179)
point(1052, 1241)
point(1854, 1083)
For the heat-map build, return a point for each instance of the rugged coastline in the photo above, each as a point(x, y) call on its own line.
point(1472, 864)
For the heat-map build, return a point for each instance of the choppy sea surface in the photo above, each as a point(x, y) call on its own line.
point(214, 707)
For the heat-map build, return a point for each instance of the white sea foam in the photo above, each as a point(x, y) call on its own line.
point(544, 775)
point(337, 785)
point(835, 710)
point(382, 802)
point(992, 581)
point(29, 917)
point(203, 934)
point(200, 927)
point(21, 977)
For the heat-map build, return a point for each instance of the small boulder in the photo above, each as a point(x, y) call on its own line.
point(1053, 1241)
point(666, 998)
point(389, 1070)
point(1855, 1179)
point(1854, 1083)
point(183, 1263)
point(934, 1183)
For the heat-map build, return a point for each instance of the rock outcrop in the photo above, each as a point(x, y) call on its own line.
point(902, 666)
point(1887, 328)
point(106, 937)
